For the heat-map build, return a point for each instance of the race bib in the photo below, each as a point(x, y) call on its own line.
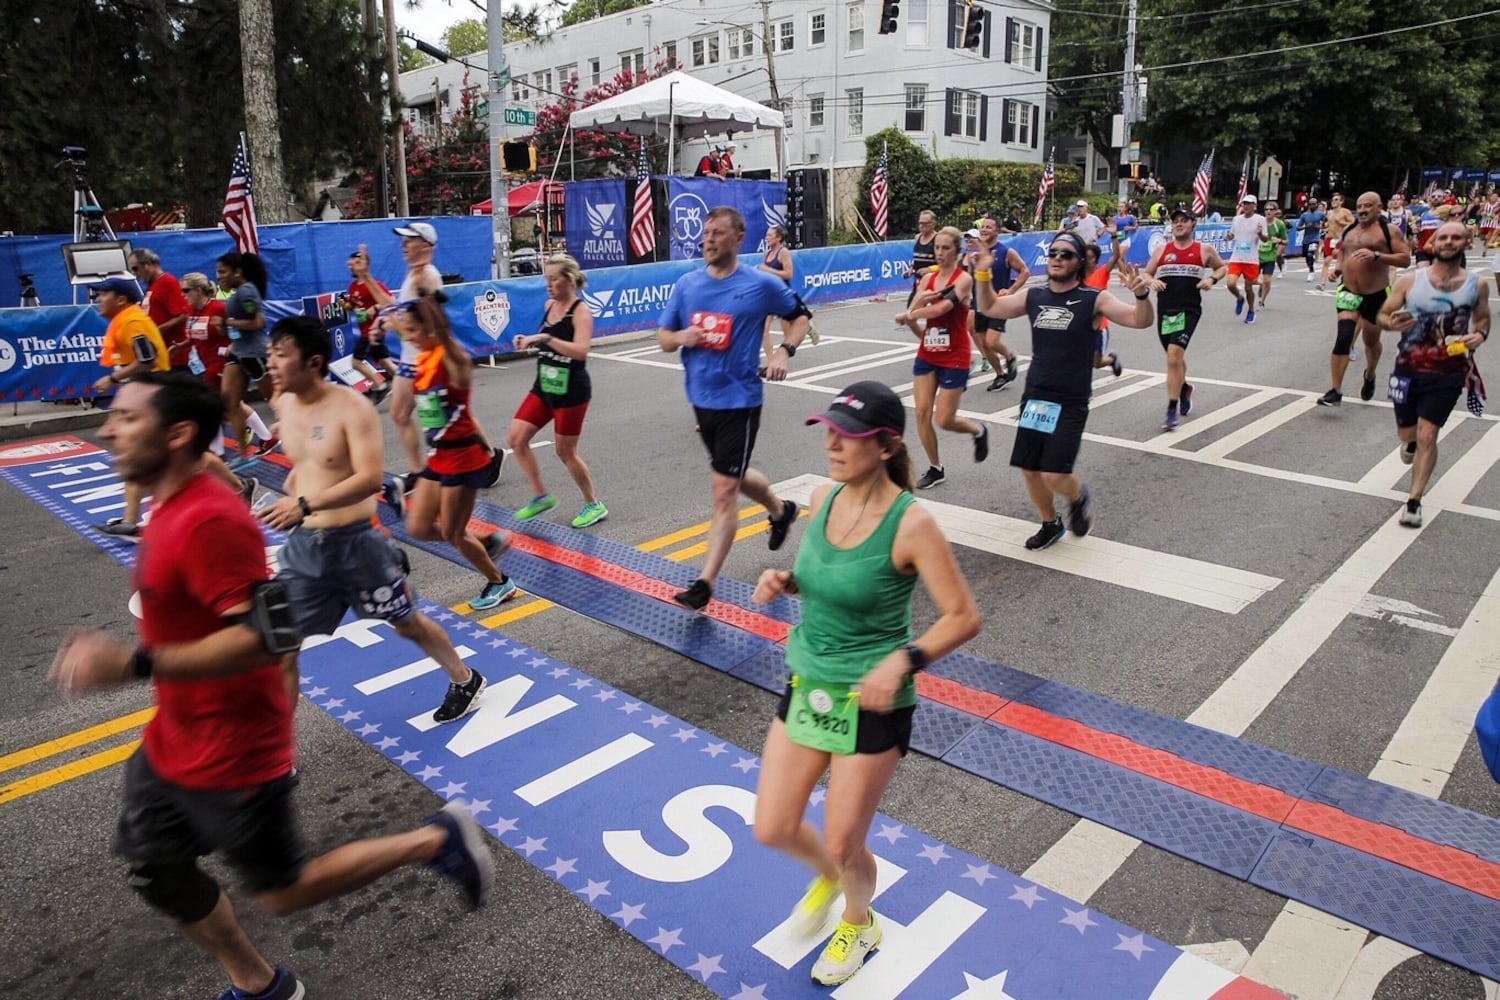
point(716, 328)
point(554, 379)
point(198, 328)
point(430, 413)
point(1345, 299)
point(823, 716)
point(195, 363)
point(936, 338)
point(1244, 247)
point(1399, 386)
point(1175, 323)
point(1040, 415)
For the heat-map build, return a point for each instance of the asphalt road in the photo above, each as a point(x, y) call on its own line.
point(1281, 488)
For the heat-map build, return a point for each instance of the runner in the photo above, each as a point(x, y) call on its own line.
point(1489, 223)
point(923, 250)
point(1176, 273)
point(561, 392)
point(1087, 225)
point(459, 464)
point(1443, 314)
point(362, 301)
point(1054, 408)
point(715, 317)
point(1367, 251)
point(938, 317)
point(1272, 249)
point(334, 559)
point(216, 767)
point(245, 316)
point(1008, 276)
point(1310, 224)
point(866, 547)
point(778, 262)
point(208, 344)
point(164, 303)
point(132, 346)
point(1339, 219)
point(1098, 277)
point(1247, 231)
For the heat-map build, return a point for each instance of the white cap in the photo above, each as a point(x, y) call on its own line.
point(423, 231)
point(1251, 199)
point(1082, 203)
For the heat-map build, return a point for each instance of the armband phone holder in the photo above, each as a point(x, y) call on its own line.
point(271, 617)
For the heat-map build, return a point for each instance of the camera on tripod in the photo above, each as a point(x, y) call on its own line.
point(76, 153)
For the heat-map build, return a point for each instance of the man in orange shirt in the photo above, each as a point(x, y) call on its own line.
point(132, 346)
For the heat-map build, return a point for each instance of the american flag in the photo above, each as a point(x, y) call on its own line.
point(643, 218)
point(1049, 181)
point(1244, 182)
point(880, 196)
point(1404, 179)
point(239, 204)
point(1201, 182)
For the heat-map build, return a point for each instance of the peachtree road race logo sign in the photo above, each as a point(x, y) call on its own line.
point(492, 312)
point(603, 225)
point(688, 213)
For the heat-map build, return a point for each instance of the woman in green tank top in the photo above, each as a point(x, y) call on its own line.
point(850, 701)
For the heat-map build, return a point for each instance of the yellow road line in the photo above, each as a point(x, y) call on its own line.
point(516, 613)
point(701, 547)
point(41, 751)
point(693, 531)
point(67, 772)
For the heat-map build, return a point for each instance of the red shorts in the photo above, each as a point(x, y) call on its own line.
point(1330, 247)
point(1246, 270)
point(568, 420)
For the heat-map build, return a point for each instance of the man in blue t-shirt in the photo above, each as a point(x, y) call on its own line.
point(1310, 225)
point(715, 318)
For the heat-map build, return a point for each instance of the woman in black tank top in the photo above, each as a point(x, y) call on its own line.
point(778, 261)
point(561, 392)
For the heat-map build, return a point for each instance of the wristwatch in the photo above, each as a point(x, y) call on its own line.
point(916, 657)
point(791, 351)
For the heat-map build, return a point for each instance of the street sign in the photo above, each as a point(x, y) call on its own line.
point(519, 116)
point(482, 110)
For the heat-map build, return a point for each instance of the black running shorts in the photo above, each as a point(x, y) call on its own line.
point(729, 436)
point(1035, 451)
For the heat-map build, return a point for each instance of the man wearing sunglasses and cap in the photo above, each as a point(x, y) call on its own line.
point(1064, 319)
point(1177, 272)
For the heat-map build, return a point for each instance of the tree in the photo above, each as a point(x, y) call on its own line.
point(587, 10)
point(1086, 61)
point(463, 38)
point(262, 127)
point(594, 154)
point(443, 177)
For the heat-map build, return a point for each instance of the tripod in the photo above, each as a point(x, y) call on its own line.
point(29, 296)
point(89, 222)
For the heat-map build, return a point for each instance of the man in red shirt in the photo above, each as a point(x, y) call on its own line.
point(216, 767)
point(363, 305)
point(165, 303)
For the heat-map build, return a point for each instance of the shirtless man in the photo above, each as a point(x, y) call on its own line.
point(1367, 252)
point(1339, 218)
point(334, 559)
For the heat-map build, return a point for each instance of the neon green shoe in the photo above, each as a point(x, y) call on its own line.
point(846, 952)
point(592, 513)
point(538, 505)
point(811, 913)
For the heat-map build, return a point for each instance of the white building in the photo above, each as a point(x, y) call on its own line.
point(835, 76)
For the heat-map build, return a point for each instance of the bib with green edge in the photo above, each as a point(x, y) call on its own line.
point(430, 413)
point(1175, 323)
point(554, 378)
point(823, 716)
point(1346, 299)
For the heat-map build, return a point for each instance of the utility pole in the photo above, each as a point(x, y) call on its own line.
point(393, 60)
point(499, 76)
point(769, 43)
point(1128, 97)
point(372, 68)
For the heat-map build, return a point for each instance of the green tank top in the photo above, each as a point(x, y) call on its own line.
point(1268, 250)
point(856, 605)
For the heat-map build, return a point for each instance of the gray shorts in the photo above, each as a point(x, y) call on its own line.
point(330, 570)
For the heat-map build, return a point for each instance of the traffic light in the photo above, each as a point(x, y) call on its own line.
point(890, 17)
point(974, 27)
point(518, 157)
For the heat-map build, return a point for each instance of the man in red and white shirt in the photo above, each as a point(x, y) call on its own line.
point(165, 303)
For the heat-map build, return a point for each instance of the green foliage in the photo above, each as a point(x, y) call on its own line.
point(595, 154)
point(464, 38)
point(444, 177)
point(587, 10)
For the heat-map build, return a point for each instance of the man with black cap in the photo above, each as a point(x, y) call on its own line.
point(1177, 274)
point(1064, 318)
point(132, 346)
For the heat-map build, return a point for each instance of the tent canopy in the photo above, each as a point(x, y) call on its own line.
point(698, 109)
point(523, 199)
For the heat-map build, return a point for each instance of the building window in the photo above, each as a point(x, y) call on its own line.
point(958, 15)
point(855, 100)
point(817, 29)
point(670, 52)
point(566, 73)
point(741, 43)
point(916, 107)
point(1021, 121)
point(633, 61)
point(916, 23)
point(594, 72)
point(815, 111)
point(706, 50)
point(856, 27)
point(1023, 44)
point(516, 90)
point(965, 113)
point(785, 33)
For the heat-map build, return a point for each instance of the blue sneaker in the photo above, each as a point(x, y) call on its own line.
point(494, 594)
point(1187, 398)
point(1170, 423)
point(1250, 316)
point(463, 857)
point(284, 987)
point(1239, 306)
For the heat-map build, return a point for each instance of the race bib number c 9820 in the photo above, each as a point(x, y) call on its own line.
point(823, 716)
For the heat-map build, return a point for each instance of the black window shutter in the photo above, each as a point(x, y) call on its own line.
point(955, 24)
point(951, 123)
point(1038, 66)
point(1010, 34)
point(985, 45)
point(984, 117)
point(1036, 126)
point(1007, 129)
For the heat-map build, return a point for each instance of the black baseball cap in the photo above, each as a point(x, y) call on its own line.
point(1183, 210)
point(864, 409)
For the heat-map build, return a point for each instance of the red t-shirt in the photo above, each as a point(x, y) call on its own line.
point(164, 300)
point(200, 554)
point(360, 297)
point(211, 339)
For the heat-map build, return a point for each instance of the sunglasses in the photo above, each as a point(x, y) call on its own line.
point(1061, 254)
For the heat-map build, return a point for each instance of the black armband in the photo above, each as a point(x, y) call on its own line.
point(141, 663)
point(798, 312)
point(951, 294)
point(271, 617)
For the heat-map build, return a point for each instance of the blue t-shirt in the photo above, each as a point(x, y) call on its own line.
point(246, 303)
point(1124, 224)
point(1310, 222)
point(722, 372)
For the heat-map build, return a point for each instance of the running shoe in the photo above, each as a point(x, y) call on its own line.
point(248, 486)
point(493, 595)
point(1367, 387)
point(394, 493)
point(1050, 532)
point(1411, 514)
point(538, 505)
point(812, 334)
point(1000, 382)
point(1331, 398)
point(495, 545)
point(697, 596)
point(1170, 421)
point(781, 525)
point(811, 912)
point(461, 697)
point(1408, 452)
point(1081, 513)
point(984, 364)
point(1250, 317)
point(1115, 366)
point(463, 858)
point(931, 477)
point(284, 987)
point(119, 526)
point(592, 513)
point(1239, 307)
point(1187, 398)
point(982, 444)
point(847, 950)
point(378, 393)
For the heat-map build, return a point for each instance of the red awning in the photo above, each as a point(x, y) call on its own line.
point(524, 199)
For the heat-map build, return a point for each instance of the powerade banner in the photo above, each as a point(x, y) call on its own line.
point(597, 222)
point(833, 274)
point(690, 199)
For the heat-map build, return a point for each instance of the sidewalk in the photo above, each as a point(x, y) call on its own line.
point(19, 421)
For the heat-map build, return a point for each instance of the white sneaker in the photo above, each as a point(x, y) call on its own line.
point(846, 951)
point(1410, 517)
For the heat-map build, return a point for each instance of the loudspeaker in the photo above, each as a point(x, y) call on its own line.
point(807, 207)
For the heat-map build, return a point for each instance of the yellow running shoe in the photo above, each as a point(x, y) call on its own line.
point(812, 910)
point(847, 950)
